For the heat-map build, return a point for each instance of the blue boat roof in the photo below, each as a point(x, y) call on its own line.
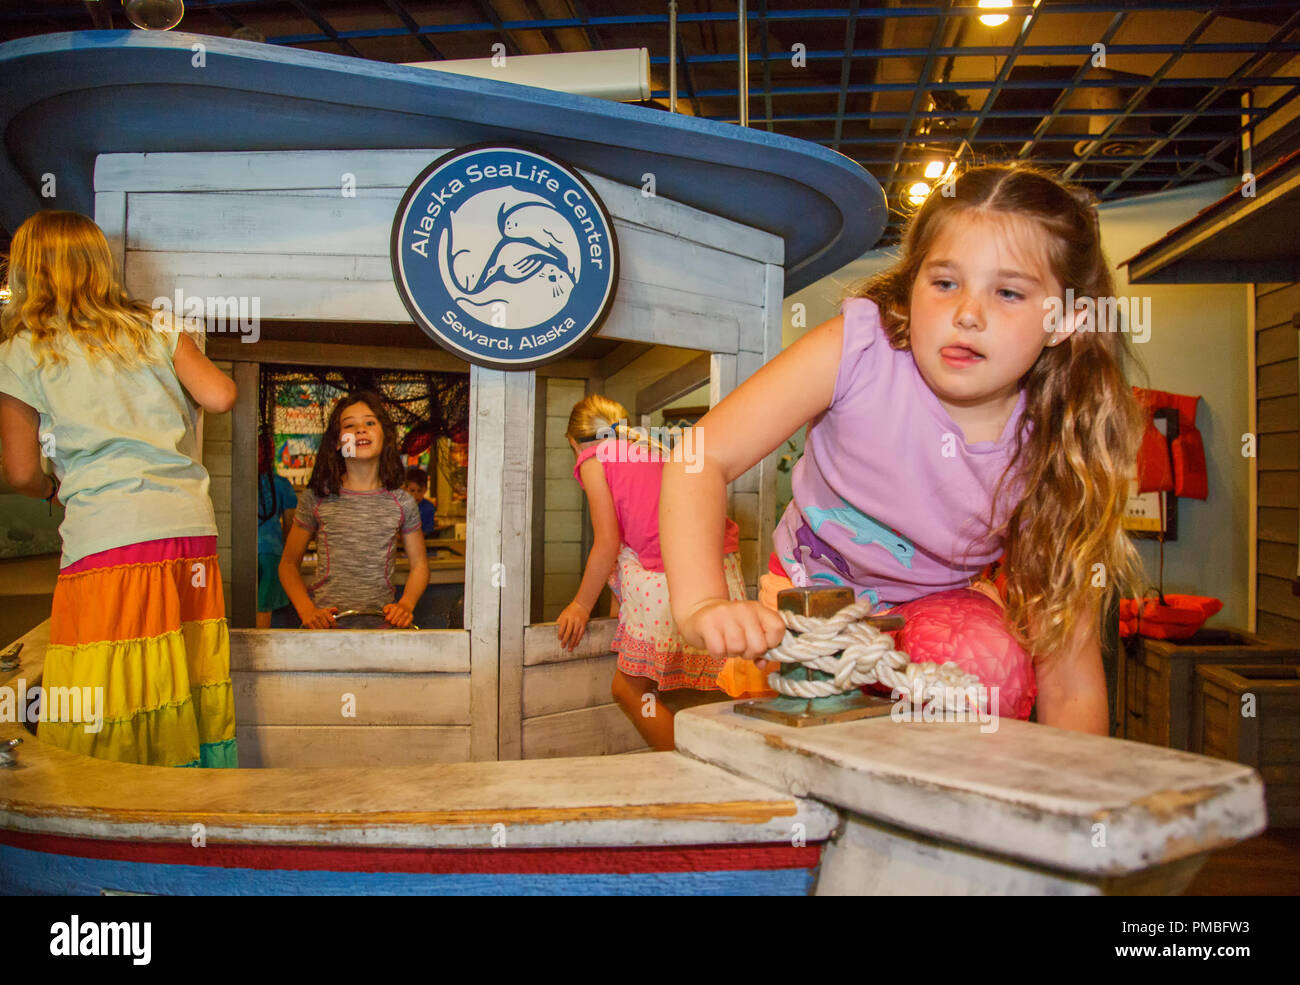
point(65, 98)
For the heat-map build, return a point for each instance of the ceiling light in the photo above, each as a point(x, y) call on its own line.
point(154, 15)
point(994, 20)
point(934, 169)
point(917, 192)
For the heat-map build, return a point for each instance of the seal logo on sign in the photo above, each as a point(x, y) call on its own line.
point(504, 256)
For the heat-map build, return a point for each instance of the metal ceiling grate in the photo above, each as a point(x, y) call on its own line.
point(892, 87)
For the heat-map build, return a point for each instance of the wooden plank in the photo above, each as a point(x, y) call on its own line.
point(218, 425)
point(243, 495)
point(361, 651)
point(1275, 344)
point(517, 513)
point(773, 315)
point(724, 314)
point(632, 318)
point(1279, 451)
point(685, 222)
point(868, 859)
point(1037, 806)
point(676, 384)
point(217, 456)
point(659, 260)
point(620, 358)
point(599, 731)
point(1252, 465)
point(488, 425)
point(1281, 752)
point(539, 554)
point(1277, 525)
point(307, 353)
point(1277, 307)
point(1278, 628)
point(376, 699)
point(745, 506)
point(563, 494)
point(110, 216)
point(1279, 489)
point(722, 381)
point(556, 687)
point(207, 171)
point(275, 746)
point(287, 286)
point(331, 288)
point(1278, 560)
point(542, 644)
point(1280, 729)
point(1275, 596)
point(1277, 380)
point(316, 223)
point(395, 169)
point(1279, 413)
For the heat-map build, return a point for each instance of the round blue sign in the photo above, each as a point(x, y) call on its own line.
point(504, 256)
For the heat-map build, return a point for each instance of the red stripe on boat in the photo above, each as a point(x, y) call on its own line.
point(688, 858)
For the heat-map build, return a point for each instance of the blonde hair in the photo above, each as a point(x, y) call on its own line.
point(1074, 464)
point(64, 286)
point(597, 416)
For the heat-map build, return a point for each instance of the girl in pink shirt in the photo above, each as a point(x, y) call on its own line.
point(620, 476)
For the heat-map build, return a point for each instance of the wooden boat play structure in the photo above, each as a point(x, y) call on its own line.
point(477, 763)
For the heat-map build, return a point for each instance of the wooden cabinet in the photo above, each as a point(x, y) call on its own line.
point(1250, 714)
point(1156, 679)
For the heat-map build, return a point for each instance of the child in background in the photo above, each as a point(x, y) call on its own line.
point(88, 380)
point(622, 487)
point(954, 415)
point(356, 507)
point(275, 501)
point(417, 484)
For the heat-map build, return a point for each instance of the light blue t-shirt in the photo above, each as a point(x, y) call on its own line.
point(122, 443)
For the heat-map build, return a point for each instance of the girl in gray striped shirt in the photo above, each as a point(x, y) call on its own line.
point(358, 511)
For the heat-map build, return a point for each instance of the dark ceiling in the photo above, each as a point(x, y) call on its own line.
point(1159, 103)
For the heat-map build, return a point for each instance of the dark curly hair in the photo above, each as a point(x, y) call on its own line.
point(328, 472)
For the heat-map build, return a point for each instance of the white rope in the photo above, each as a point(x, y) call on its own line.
point(856, 653)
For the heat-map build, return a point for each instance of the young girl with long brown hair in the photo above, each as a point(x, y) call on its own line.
point(953, 420)
point(358, 511)
point(89, 380)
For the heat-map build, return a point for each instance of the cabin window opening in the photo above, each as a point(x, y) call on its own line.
point(430, 413)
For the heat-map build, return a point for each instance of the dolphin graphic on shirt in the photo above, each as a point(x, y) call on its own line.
point(818, 548)
point(865, 530)
point(801, 579)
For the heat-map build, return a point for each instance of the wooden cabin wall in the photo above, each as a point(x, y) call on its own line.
point(1277, 401)
point(562, 503)
point(217, 458)
point(276, 226)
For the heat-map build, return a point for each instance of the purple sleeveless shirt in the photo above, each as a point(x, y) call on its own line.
point(889, 499)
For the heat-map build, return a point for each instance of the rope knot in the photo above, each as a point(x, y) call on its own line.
point(854, 653)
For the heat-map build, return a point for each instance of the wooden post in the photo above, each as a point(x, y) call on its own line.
point(487, 430)
point(517, 523)
point(243, 498)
